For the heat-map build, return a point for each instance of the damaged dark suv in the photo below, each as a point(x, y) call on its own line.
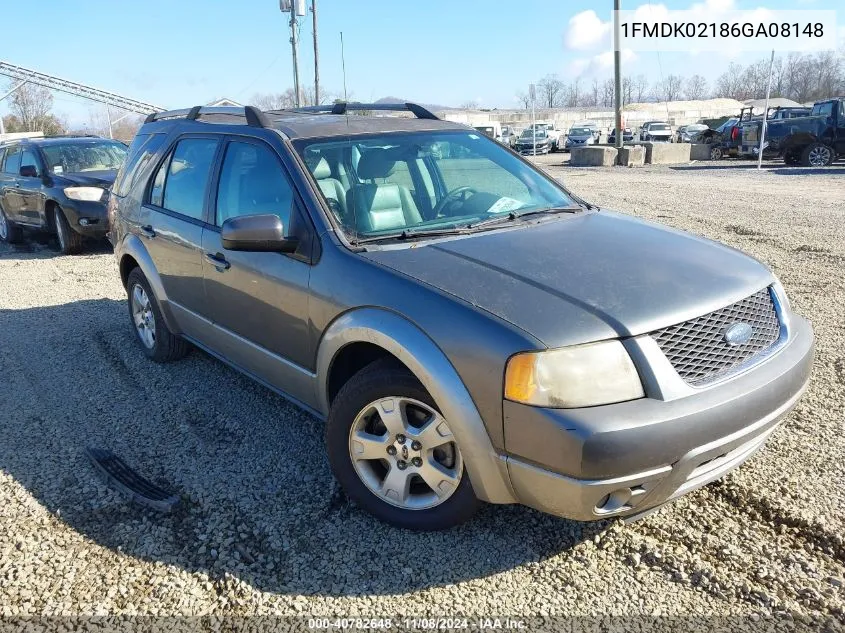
point(469, 330)
point(59, 185)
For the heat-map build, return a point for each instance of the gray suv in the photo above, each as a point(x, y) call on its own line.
point(467, 328)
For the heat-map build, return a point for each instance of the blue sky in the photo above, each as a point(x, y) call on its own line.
point(182, 52)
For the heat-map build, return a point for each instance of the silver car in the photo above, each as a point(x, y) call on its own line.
point(469, 330)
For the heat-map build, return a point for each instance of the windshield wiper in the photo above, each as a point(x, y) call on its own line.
point(410, 234)
point(514, 215)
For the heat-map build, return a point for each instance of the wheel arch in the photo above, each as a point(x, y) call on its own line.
point(133, 254)
point(375, 329)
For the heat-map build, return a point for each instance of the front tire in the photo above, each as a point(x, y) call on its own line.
point(156, 340)
point(393, 452)
point(716, 153)
point(817, 155)
point(70, 242)
point(9, 232)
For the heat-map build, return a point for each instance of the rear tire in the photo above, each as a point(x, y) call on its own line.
point(817, 155)
point(791, 158)
point(9, 231)
point(378, 404)
point(70, 242)
point(156, 340)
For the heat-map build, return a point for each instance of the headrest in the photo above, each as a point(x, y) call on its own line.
point(376, 163)
point(321, 169)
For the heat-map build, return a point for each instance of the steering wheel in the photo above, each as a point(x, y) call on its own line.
point(461, 194)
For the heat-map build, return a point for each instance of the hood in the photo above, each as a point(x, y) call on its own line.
point(104, 179)
point(587, 277)
point(659, 132)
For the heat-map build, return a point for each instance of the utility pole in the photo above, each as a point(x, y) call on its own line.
point(617, 77)
point(316, 55)
point(294, 45)
point(765, 115)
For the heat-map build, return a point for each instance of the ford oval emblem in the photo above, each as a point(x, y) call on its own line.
point(738, 334)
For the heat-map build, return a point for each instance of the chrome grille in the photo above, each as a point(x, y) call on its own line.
point(698, 350)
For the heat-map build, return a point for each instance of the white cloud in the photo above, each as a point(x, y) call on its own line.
point(586, 31)
point(598, 64)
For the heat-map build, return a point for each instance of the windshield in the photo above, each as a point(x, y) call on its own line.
point(489, 131)
point(580, 131)
point(79, 156)
point(658, 126)
point(529, 134)
point(382, 185)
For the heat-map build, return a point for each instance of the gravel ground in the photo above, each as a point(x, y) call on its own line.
point(263, 529)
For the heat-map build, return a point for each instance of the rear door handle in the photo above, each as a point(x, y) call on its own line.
point(147, 231)
point(218, 261)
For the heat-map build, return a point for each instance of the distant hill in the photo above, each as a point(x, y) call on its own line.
point(428, 106)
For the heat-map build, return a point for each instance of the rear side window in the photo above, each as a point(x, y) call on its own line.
point(141, 152)
point(823, 109)
point(182, 179)
point(13, 161)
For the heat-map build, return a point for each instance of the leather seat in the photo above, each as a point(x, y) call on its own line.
point(332, 189)
point(380, 207)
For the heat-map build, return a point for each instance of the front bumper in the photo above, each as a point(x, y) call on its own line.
point(529, 149)
point(624, 459)
point(87, 218)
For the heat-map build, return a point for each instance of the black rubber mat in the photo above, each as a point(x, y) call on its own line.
point(121, 477)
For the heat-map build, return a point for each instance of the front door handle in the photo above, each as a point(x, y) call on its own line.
point(148, 232)
point(218, 261)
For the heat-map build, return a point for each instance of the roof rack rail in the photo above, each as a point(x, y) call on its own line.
point(254, 117)
point(342, 107)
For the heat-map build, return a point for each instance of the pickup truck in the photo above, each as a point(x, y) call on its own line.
point(813, 141)
point(750, 127)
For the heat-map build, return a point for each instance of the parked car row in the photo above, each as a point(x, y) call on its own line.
point(361, 276)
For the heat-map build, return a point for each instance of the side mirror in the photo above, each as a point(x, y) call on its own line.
point(263, 233)
point(29, 171)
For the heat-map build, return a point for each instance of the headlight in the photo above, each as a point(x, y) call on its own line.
point(577, 376)
point(86, 194)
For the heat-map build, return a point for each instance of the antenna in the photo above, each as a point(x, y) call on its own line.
point(343, 62)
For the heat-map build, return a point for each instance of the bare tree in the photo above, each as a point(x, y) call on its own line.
point(730, 83)
point(469, 105)
point(669, 88)
point(695, 88)
point(607, 92)
point(551, 90)
point(639, 88)
point(573, 94)
point(31, 104)
point(524, 98)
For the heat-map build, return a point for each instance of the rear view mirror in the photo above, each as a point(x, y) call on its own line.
point(29, 171)
point(263, 233)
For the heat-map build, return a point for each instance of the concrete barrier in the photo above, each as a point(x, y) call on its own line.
point(666, 153)
point(699, 151)
point(593, 156)
point(632, 156)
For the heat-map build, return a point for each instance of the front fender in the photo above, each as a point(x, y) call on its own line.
point(403, 339)
point(133, 247)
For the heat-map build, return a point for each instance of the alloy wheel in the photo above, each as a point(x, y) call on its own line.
point(819, 156)
point(143, 317)
point(4, 227)
point(404, 452)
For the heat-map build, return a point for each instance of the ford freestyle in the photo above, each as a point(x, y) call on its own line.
point(468, 329)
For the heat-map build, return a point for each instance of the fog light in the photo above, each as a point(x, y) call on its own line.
point(614, 502)
point(83, 221)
